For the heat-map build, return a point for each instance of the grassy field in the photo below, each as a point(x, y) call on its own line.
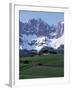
point(43, 66)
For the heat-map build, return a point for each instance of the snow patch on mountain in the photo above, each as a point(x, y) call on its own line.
point(33, 42)
point(56, 43)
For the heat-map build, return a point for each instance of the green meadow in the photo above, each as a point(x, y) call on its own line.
point(43, 66)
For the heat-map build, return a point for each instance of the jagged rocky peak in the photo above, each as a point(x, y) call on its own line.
point(41, 28)
point(36, 34)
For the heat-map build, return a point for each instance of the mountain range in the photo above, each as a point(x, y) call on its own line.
point(37, 34)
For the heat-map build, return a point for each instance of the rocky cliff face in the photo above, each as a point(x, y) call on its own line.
point(37, 34)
